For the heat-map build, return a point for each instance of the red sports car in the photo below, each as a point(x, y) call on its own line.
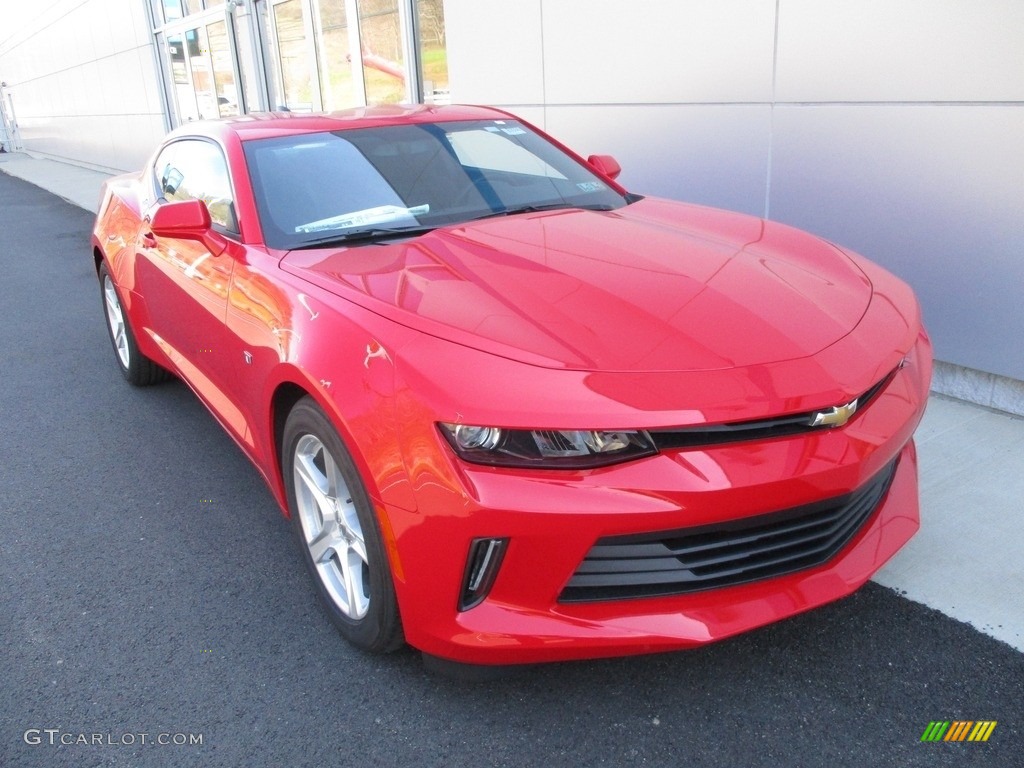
point(515, 412)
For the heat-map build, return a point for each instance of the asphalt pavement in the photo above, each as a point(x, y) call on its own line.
point(155, 610)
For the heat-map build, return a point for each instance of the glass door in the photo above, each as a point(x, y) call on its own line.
point(299, 55)
point(433, 51)
point(383, 53)
point(341, 78)
point(336, 54)
point(202, 65)
point(291, 28)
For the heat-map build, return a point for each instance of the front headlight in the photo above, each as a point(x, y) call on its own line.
point(546, 448)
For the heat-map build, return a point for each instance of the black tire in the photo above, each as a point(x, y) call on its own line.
point(136, 368)
point(338, 532)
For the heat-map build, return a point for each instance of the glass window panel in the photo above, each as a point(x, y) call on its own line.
point(293, 51)
point(302, 180)
point(433, 51)
point(314, 186)
point(184, 95)
point(202, 73)
point(381, 38)
point(223, 71)
point(337, 83)
point(172, 10)
point(176, 50)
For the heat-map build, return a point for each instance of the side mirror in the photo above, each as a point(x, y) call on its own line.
point(606, 165)
point(186, 220)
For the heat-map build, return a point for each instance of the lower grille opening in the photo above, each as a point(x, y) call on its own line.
point(725, 554)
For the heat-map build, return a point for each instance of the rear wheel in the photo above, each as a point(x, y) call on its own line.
point(136, 368)
point(338, 532)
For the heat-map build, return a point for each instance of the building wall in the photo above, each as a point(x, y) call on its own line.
point(895, 128)
point(83, 80)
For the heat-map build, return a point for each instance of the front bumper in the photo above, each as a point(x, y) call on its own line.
point(552, 520)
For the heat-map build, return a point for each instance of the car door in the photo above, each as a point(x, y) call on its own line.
point(185, 285)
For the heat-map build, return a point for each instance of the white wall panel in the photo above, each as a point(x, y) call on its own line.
point(150, 77)
point(132, 140)
point(901, 50)
point(130, 96)
point(709, 154)
point(82, 79)
point(95, 18)
point(495, 54)
point(658, 51)
point(75, 92)
point(103, 100)
point(936, 194)
point(140, 22)
point(123, 34)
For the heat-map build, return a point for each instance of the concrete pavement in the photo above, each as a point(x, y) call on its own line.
point(73, 183)
point(968, 558)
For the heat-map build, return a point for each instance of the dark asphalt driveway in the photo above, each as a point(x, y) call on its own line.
point(152, 590)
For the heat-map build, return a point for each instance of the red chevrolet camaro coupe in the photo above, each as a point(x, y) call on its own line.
point(515, 412)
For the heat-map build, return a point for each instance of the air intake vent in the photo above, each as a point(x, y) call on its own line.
point(726, 554)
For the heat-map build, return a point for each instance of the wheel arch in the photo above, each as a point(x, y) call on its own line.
point(283, 399)
point(286, 393)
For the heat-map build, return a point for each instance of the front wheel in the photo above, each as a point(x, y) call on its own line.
point(337, 531)
point(136, 368)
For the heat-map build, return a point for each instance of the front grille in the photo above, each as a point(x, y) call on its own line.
point(724, 554)
point(761, 429)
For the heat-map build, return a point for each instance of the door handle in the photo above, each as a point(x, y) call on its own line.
point(148, 240)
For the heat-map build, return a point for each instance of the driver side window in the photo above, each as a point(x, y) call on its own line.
point(193, 169)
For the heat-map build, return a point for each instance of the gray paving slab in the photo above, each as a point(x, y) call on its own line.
point(968, 558)
point(73, 183)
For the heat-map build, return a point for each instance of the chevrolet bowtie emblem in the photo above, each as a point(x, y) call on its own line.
point(836, 416)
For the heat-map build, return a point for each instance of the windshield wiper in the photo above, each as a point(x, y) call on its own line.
point(542, 207)
point(371, 234)
point(367, 235)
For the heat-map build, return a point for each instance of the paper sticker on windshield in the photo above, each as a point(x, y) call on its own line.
point(381, 214)
point(591, 186)
point(513, 131)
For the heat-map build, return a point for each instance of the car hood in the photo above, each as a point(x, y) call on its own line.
point(653, 286)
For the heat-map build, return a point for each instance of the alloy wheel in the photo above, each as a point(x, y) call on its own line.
point(115, 318)
point(330, 527)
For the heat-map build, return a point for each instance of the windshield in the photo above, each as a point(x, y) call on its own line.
point(324, 187)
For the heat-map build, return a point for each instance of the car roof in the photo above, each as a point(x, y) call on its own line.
point(263, 125)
